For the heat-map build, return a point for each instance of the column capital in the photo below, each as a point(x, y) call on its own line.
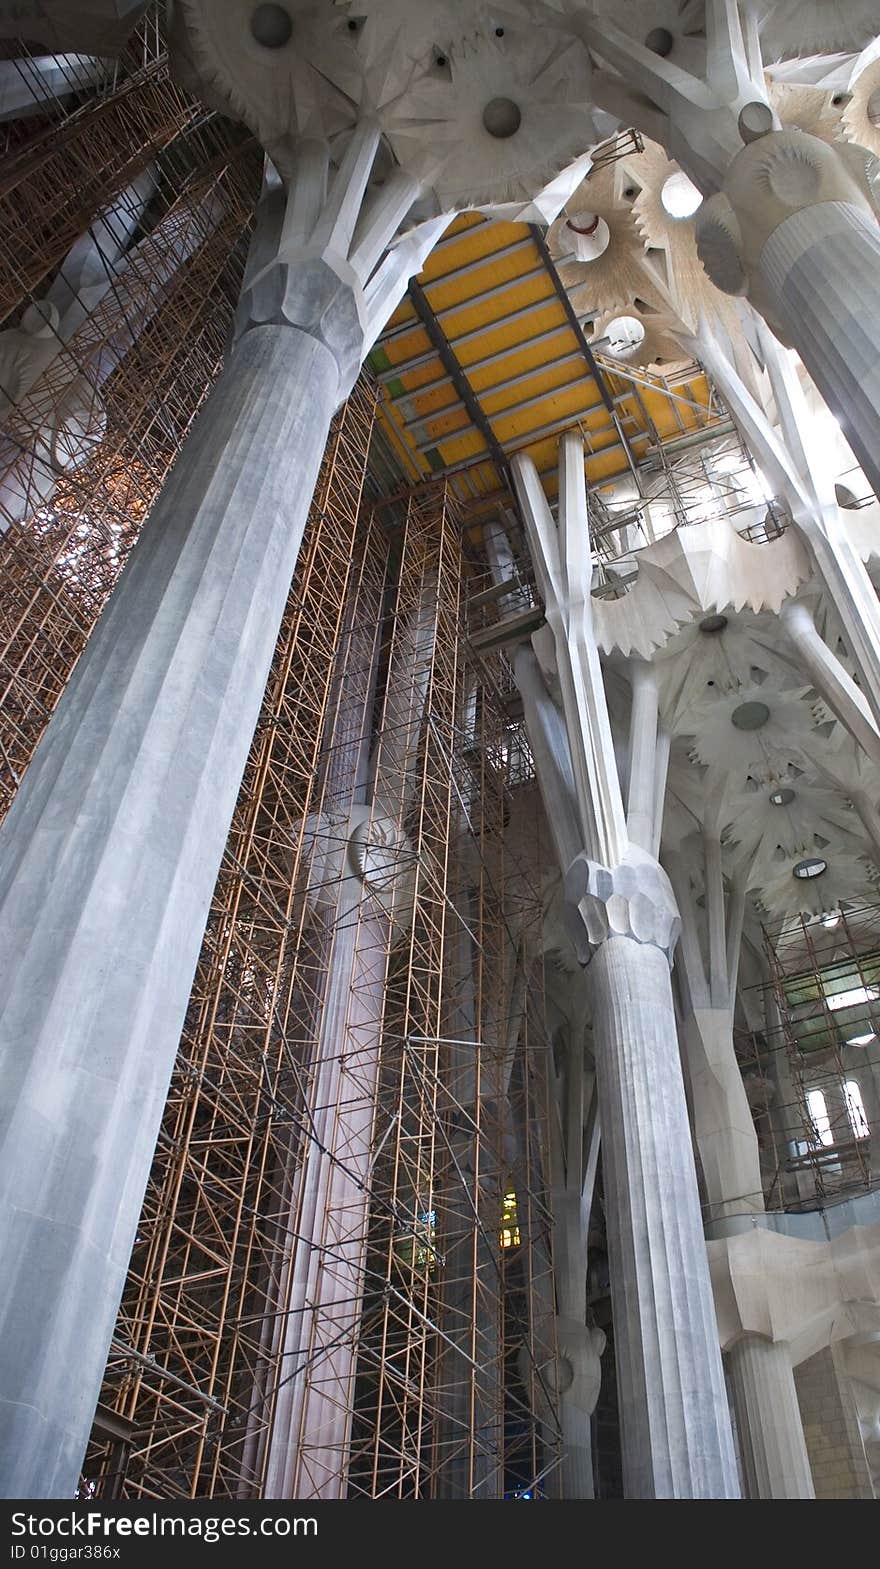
point(773, 178)
point(633, 899)
point(311, 295)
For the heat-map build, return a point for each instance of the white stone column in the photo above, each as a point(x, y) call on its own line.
point(365, 884)
point(641, 805)
point(773, 1450)
point(830, 678)
point(109, 855)
point(675, 1421)
point(723, 1125)
point(794, 227)
point(107, 864)
point(767, 1414)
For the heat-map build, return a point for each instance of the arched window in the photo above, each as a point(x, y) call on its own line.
point(819, 1113)
point(856, 1108)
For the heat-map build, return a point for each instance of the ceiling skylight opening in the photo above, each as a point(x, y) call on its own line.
point(589, 236)
point(783, 797)
point(679, 196)
point(812, 866)
point(858, 996)
point(624, 334)
point(862, 1040)
point(751, 716)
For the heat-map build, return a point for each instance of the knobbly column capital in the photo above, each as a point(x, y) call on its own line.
point(633, 899)
point(776, 176)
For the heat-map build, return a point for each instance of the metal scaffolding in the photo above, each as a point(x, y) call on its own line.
point(78, 155)
point(822, 1052)
point(153, 345)
point(342, 1282)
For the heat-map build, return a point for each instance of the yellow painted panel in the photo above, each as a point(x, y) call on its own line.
point(519, 355)
point(408, 345)
point(569, 404)
point(467, 318)
point(474, 241)
point(517, 335)
point(545, 380)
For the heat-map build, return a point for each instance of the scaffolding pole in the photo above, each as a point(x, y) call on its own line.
point(166, 337)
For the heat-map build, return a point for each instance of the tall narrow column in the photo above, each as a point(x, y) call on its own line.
point(107, 863)
point(830, 678)
point(795, 228)
point(109, 854)
point(673, 1405)
point(774, 1451)
point(675, 1423)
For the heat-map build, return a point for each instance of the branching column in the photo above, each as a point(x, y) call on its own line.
point(789, 220)
point(109, 855)
point(795, 461)
point(795, 228)
point(675, 1423)
point(771, 1434)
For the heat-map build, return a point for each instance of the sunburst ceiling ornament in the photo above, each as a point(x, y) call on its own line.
point(785, 814)
point(707, 662)
point(484, 106)
point(738, 748)
point(673, 29)
point(614, 277)
point(805, 27)
point(261, 63)
point(844, 879)
point(506, 111)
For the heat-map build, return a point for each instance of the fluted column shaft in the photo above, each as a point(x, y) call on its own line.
point(675, 1422)
point(312, 1417)
point(108, 859)
point(821, 268)
point(771, 1433)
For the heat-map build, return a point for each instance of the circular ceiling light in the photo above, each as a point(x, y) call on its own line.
point(812, 866)
point(713, 624)
point(831, 920)
point(782, 797)
point(502, 118)
point(271, 26)
point(750, 716)
point(679, 196)
point(624, 334)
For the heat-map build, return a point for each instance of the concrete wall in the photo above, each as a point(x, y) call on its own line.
point(831, 1428)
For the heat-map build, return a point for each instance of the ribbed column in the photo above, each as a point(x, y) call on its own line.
point(312, 1416)
point(675, 1421)
point(768, 1419)
point(822, 269)
point(108, 859)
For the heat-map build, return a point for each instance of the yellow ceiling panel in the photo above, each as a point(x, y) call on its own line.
point(486, 357)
